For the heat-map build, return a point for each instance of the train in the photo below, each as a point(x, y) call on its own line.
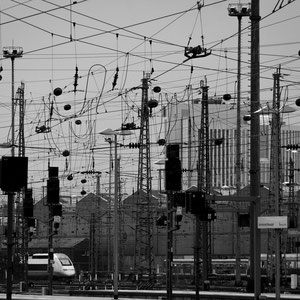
point(63, 268)
point(226, 267)
point(220, 267)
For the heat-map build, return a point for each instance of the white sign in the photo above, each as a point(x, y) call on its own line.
point(272, 222)
point(294, 232)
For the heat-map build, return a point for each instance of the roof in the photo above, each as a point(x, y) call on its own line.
point(61, 242)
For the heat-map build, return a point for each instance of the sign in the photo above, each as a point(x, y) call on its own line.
point(294, 232)
point(272, 222)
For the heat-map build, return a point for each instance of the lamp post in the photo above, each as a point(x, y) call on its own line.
point(12, 53)
point(238, 10)
point(111, 132)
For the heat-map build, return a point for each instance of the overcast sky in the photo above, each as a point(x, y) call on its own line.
point(137, 37)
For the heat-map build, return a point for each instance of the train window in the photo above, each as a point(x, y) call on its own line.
point(41, 256)
point(65, 261)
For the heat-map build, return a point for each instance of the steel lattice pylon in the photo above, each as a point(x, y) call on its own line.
point(275, 194)
point(144, 219)
point(203, 232)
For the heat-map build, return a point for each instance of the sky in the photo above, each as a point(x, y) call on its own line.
point(112, 45)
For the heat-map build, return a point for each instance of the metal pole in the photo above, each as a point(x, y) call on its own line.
point(255, 249)
point(12, 106)
point(109, 211)
point(10, 199)
point(50, 251)
point(116, 228)
point(197, 246)
point(276, 125)
point(238, 152)
point(169, 246)
point(10, 244)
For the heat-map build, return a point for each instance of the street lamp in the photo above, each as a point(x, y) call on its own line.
point(238, 10)
point(110, 132)
point(12, 53)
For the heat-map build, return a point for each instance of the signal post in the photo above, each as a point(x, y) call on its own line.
point(55, 212)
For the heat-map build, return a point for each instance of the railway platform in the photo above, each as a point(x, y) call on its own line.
point(146, 294)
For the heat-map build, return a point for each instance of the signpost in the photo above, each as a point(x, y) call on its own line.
point(277, 223)
point(272, 222)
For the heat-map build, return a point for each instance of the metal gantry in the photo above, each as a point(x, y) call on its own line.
point(144, 220)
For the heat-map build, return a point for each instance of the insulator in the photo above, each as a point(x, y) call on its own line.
point(161, 142)
point(219, 141)
point(57, 91)
point(292, 147)
point(226, 97)
point(83, 192)
point(247, 118)
point(156, 89)
point(78, 122)
point(70, 177)
point(83, 180)
point(66, 153)
point(152, 103)
point(67, 107)
point(297, 102)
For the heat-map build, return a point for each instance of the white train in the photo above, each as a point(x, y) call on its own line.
point(63, 267)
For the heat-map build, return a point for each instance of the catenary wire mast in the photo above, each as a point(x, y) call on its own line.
point(238, 10)
point(275, 186)
point(19, 100)
point(292, 207)
point(144, 227)
point(203, 227)
point(12, 53)
point(21, 232)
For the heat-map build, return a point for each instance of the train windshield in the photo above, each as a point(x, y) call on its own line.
point(65, 261)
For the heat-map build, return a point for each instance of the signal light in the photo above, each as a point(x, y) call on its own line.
point(13, 173)
point(56, 223)
point(53, 191)
point(28, 204)
point(196, 203)
point(57, 210)
point(31, 222)
point(173, 175)
point(211, 214)
point(178, 214)
point(161, 220)
point(244, 220)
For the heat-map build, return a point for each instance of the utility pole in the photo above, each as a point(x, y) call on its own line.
point(23, 229)
point(203, 227)
point(173, 183)
point(12, 53)
point(54, 218)
point(255, 248)
point(238, 10)
point(292, 206)
point(144, 229)
point(277, 178)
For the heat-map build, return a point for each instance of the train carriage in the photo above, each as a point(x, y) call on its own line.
point(63, 267)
